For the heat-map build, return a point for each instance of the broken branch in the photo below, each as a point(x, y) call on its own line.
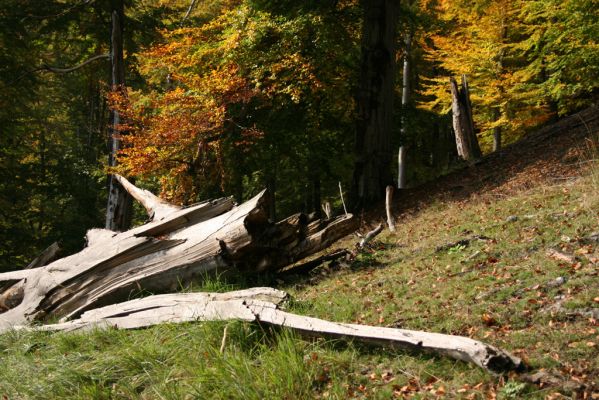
point(370, 235)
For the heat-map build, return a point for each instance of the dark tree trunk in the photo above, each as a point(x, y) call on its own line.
point(405, 99)
point(271, 191)
point(439, 152)
point(120, 205)
point(316, 197)
point(497, 132)
point(374, 101)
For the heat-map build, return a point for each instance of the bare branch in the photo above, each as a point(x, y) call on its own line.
point(370, 235)
point(76, 67)
point(189, 10)
point(342, 200)
point(58, 70)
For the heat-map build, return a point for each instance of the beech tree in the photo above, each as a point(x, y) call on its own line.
point(374, 102)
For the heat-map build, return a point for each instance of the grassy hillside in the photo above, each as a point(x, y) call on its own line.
point(515, 265)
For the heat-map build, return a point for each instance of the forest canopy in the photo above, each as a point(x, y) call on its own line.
point(228, 97)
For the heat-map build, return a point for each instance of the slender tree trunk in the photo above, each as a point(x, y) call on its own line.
point(497, 132)
point(406, 92)
point(316, 196)
point(405, 99)
point(401, 167)
point(239, 188)
point(119, 207)
point(500, 67)
point(271, 191)
point(374, 103)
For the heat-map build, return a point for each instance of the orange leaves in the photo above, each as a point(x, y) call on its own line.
point(174, 129)
point(488, 319)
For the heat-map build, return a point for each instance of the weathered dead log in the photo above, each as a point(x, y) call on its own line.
point(261, 305)
point(179, 245)
point(342, 199)
point(458, 347)
point(402, 154)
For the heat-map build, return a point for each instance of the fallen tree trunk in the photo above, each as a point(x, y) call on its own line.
point(178, 245)
point(262, 305)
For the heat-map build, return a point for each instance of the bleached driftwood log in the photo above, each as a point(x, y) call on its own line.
point(262, 305)
point(177, 246)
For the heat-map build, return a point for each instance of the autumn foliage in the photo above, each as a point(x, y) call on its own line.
point(222, 94)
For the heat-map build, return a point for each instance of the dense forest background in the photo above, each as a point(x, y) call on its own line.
point(226, 97)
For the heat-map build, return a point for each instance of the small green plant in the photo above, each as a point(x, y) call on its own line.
point(458, 248)
point(513, 390)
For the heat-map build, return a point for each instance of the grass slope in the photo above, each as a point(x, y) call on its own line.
point(505, 289)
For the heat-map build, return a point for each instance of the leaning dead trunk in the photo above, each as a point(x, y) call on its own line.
point(177, 246)
point(463, 123)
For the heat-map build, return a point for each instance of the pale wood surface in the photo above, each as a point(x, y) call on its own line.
point(262, 305)
point(160, 256)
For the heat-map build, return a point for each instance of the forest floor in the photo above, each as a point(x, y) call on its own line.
point(506, 251)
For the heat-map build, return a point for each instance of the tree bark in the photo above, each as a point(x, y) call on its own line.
point(179, 245)
point(463, 124)
point(120, 205)
point(374, 103)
